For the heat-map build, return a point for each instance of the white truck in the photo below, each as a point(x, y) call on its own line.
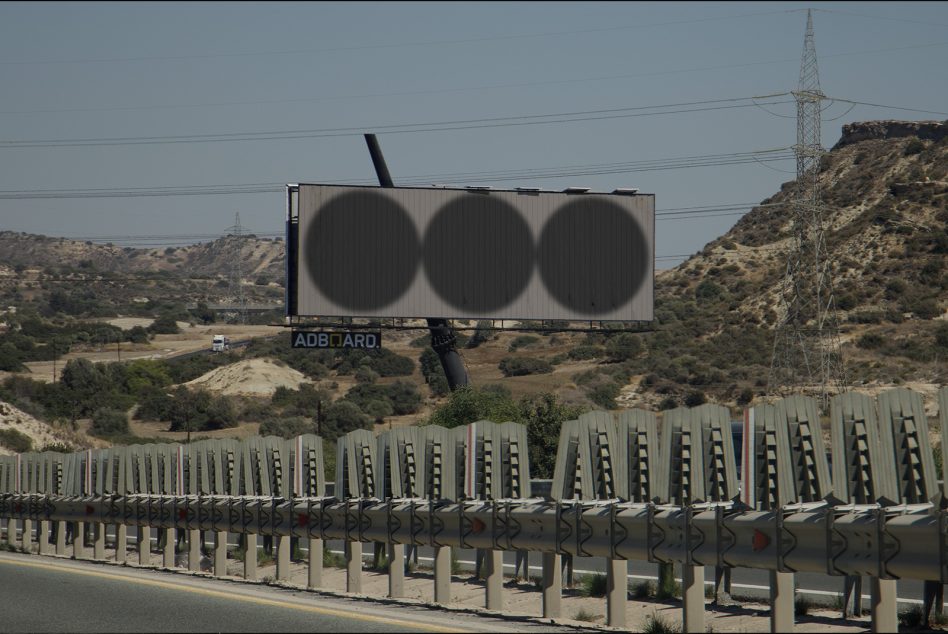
point(220, 343)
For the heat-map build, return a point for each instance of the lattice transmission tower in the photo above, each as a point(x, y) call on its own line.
point(236, 271)
point(806, 350)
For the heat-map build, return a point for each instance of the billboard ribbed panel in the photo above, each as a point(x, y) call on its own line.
point(465, 253)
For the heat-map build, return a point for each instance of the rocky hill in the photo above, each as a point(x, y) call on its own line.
point(885, 187)
point(208, 259)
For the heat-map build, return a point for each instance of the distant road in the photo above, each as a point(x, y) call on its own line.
point(68, 596)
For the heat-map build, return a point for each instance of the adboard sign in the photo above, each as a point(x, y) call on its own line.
point(325, 340)
point(462, 254)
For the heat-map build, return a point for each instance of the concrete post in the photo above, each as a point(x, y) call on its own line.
point(552, 586)
point(144, 545)
point(315, 563)
point(781, 601)
point(692, 593)
point(283, 557)
point(250, 558)
point(396, 570)
point(121, 543)
point(442, 575)
point(27, 536)
point(98, 547)
point(617, 591)
point(353, 567)
point(79, 541)
point(494, 560)
point(61, 538)
point(11, 531)
point(885, 617)
point(168, 552)
point(194, 550)
point(220, 554)
point(42, 537)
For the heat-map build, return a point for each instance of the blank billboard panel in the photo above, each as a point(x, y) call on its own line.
point(469, 253)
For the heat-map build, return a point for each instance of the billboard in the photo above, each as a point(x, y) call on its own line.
point(471, 253)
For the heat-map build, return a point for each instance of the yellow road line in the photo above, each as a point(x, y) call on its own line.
point(237, 597)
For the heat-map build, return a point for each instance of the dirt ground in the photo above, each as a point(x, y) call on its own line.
point(190, 339)
point(520, 598)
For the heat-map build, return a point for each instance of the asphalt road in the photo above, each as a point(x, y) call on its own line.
point(42, 595)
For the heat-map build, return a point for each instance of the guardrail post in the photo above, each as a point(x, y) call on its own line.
point(494, 560)
point(79, 540)
point(168, 558)
point(884, 605)
point(692, 593)
point(283, 557)
point(617, 591)
point(396, 570)
point(781, 601)
point(250, 557)
point(315, 563)
point(98, 547)
point(442, 575)
point(27, 537)
point(42, 537)
point(121, 543)
point(353, 567)
point(61, 538)
point(552, 586)
point(144, 545)
point(194, 550)
point(220, 553)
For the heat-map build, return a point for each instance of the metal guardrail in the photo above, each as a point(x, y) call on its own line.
point(626, 489)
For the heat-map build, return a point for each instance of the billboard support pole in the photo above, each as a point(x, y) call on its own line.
point(443, 339)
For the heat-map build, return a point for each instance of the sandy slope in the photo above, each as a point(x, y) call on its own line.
point(41, 433)
point(254, 377)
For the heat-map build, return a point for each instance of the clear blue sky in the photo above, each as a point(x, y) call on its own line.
point(132, 70)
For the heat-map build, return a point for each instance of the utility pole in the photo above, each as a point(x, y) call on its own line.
point(443, 339)
point(806, 348)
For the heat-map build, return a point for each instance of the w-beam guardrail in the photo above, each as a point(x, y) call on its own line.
point(625, 488)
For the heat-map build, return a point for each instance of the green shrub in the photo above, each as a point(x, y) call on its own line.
point(801, 606)
point(641, 590)
point(522, 342)
point(915, 146)
point(287, 427)
point(657, 624)
point(593, 585)
point(584, 615)
point(604, 395)
point(164, 325)
point(585, 352)
point(520, 366)
point(623, 346)
point(481, 334)
point(109, 422)
point(695, 398)
point(15, 440)
point(870, 341)
point(366, 374)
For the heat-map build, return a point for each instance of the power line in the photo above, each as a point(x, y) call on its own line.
point(391, 45)
point(880, 105)
point(879, 17)
point(407, 93)
point(705, 160)
point(464, 124)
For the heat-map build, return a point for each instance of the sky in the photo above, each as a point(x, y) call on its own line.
point(110, 112)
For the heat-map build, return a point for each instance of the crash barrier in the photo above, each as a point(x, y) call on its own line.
point(624, 488)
